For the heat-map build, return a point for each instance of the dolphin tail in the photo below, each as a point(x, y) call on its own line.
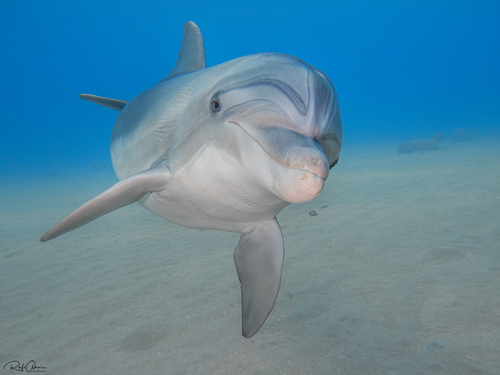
point(125, 192)
point(259, 259)
point(115, 104)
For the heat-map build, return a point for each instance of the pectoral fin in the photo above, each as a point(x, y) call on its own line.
point(259, 259)
point(125, 192)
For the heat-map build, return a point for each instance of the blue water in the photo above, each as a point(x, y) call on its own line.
point(403, 70)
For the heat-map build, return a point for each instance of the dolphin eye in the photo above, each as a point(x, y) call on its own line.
point(215, 104)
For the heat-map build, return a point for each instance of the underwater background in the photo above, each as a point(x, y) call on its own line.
point(393, 269)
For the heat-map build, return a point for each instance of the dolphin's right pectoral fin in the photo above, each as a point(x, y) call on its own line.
point(259, 259)
point(125, 192)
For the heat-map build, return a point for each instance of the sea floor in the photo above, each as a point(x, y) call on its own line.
point(398, 273)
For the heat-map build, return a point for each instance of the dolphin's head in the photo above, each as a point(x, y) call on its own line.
point(291, 110)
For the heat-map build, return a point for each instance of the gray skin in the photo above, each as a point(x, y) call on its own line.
point(224, 148)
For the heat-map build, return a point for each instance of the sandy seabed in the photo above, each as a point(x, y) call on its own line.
point(399, 274)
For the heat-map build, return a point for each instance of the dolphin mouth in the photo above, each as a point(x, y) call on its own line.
point(290, 149)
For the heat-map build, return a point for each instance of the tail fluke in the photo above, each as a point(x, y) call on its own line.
point(115, 104)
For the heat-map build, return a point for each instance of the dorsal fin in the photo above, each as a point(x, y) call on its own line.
point(192, 55)
point(116, 104)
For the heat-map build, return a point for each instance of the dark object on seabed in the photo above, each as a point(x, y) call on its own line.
point(463, 135)
point(418, 145)
point(439, 137)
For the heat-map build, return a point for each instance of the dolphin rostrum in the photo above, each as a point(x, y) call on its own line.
point(226, 148)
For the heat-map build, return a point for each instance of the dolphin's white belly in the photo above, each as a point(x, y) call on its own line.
point(213, 191)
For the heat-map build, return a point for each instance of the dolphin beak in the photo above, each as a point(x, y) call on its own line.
point(290, 149)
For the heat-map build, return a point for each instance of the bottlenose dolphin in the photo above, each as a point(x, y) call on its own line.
point(224, 148)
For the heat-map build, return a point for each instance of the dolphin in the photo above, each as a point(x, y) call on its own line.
point(224, 148)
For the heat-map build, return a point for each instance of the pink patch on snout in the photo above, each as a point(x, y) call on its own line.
point(299, 186)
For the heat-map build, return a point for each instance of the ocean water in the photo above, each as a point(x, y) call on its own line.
point(398, 273)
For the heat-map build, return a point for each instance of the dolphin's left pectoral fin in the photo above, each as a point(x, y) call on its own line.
point(125, 192)
point(259, 259)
